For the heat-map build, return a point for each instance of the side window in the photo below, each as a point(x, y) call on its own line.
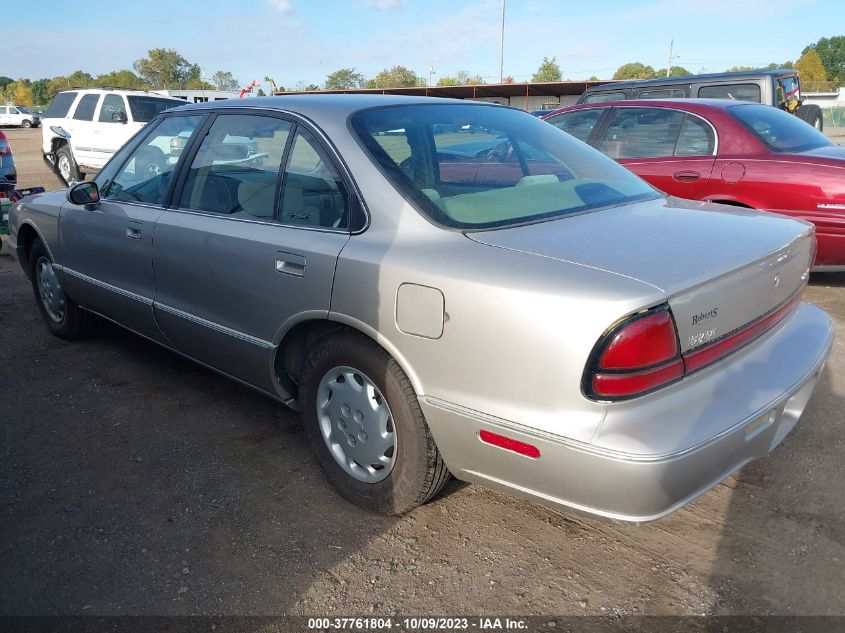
point(696, 138)
point(735, 92)
point(4, 110)
point(59, 106)
point(147, 173)
point(642, 133)
point(112, 104)
point(85, 108)
point(610, 95)
point(578, 123)
point(662, 93)
point(14, 111)
point(313, 193)
point(236, 170)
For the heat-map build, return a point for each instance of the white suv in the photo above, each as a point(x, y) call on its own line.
point(83, 128)
point(20, 116)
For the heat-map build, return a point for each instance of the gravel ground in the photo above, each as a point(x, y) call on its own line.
point(134, 482)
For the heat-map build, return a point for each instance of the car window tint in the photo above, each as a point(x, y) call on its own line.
point(735, 92)
point(778, 130)
point(313, 193)
point(145, 108)
point(696, 138)
point(579, 123)
point(610, 95)
point(236, 170)
point(85, 108)
point(60, 105)
point(662, 93)
point(4, 110)
point(642, 133)
point(147, 173)
point(112, 104)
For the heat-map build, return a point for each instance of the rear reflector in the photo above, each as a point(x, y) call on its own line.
point(509, 444)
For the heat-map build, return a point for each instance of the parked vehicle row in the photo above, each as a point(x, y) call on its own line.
point(446, 287)
point(717, 150)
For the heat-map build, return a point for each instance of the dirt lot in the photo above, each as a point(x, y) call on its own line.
point(133, 482)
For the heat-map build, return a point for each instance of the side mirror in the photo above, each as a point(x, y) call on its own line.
point(119, 117)
point(85, 194)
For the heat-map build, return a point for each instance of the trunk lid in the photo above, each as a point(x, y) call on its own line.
point(720, 267)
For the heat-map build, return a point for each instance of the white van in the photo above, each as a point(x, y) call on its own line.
point(83, 128)
point(19, 116)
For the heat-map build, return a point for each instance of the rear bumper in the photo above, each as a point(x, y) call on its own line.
point(643, 486)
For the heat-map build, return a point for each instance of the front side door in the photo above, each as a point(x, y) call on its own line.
point(262, 216)
point(106, 253)
point(111, 129)
point(672, 150)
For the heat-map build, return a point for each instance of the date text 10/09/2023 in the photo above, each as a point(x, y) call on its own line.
point(418, 624)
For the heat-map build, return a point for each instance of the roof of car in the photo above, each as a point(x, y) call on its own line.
point(685, 79)
point(692, 105)
point(325, 104)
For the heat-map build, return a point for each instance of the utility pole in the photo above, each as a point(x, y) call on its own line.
point(669, 65)
point(430, 73)
point(502, 47)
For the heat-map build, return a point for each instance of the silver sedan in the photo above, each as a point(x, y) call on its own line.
point(445, 288)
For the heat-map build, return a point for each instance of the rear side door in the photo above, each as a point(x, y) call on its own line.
point(107, 252)
point(671, 149)
point(81, 128)
point(251, 244)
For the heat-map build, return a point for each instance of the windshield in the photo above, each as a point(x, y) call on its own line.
point(779, 131)
point(476, 167)
point(145, 109)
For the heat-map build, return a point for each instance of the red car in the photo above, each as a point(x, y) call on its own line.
point(737, 153)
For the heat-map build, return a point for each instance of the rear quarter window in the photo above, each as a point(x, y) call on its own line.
point(59, 107)
point(734, 92)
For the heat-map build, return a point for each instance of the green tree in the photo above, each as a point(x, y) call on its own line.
point(832, 53)
point(634, 70)
point(446, 80)
point(40, 92)
point(124, 79)
point(772, 66)
point(593, 78)
point(396, 77)
point(197, 83)
point(461, 78)
point(344, 79)
point(677, 71)
point(56, 85)
point(810, 67)
point(166, 68)
point(5, 81)
point(548, 71)
point(224, 80)
point(80, 79)
point(18, 92)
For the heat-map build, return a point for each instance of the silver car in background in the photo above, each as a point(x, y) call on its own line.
point(445, 287)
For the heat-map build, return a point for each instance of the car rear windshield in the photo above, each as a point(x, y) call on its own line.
point(60, 105)
point(779, 131)
point(144, 109)
point(476, 167)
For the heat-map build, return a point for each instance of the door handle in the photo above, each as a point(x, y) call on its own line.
point(133, 231)
point(686, 176)
point(290, 264)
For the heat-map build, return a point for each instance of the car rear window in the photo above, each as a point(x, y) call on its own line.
point(476, 167)
point(60, 105)
point(779, 131)
point(145, 109)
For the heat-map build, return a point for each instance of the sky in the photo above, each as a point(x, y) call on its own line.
point(304, 40)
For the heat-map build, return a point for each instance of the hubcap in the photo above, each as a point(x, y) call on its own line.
point(356, 424)
point(64, 167)
point(50, 290)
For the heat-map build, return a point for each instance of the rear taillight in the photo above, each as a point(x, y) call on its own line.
point(4, 145)
point(636, 356)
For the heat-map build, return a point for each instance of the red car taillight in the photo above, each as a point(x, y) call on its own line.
point(636, 356)
point(4, 145)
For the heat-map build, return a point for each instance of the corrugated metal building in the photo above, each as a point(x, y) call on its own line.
point(528, 96)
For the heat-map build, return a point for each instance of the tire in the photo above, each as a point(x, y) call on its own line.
point(812, 114)
point(67, 166)
point(27, 123)
point(64, 318)
point(417, 471)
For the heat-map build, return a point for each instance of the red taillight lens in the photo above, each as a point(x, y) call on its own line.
point(637, 356)
point(4, 147)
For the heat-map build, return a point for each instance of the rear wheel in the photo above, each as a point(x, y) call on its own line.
point(812, 114)
point(67, 166)
point(365, 426)
point(63, 317)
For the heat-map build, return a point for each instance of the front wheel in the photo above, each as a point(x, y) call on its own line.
point(67, 166)
point(27, 123)
point(365, 426)
point(63, 317)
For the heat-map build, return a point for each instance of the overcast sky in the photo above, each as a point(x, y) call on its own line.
point(304, 40)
